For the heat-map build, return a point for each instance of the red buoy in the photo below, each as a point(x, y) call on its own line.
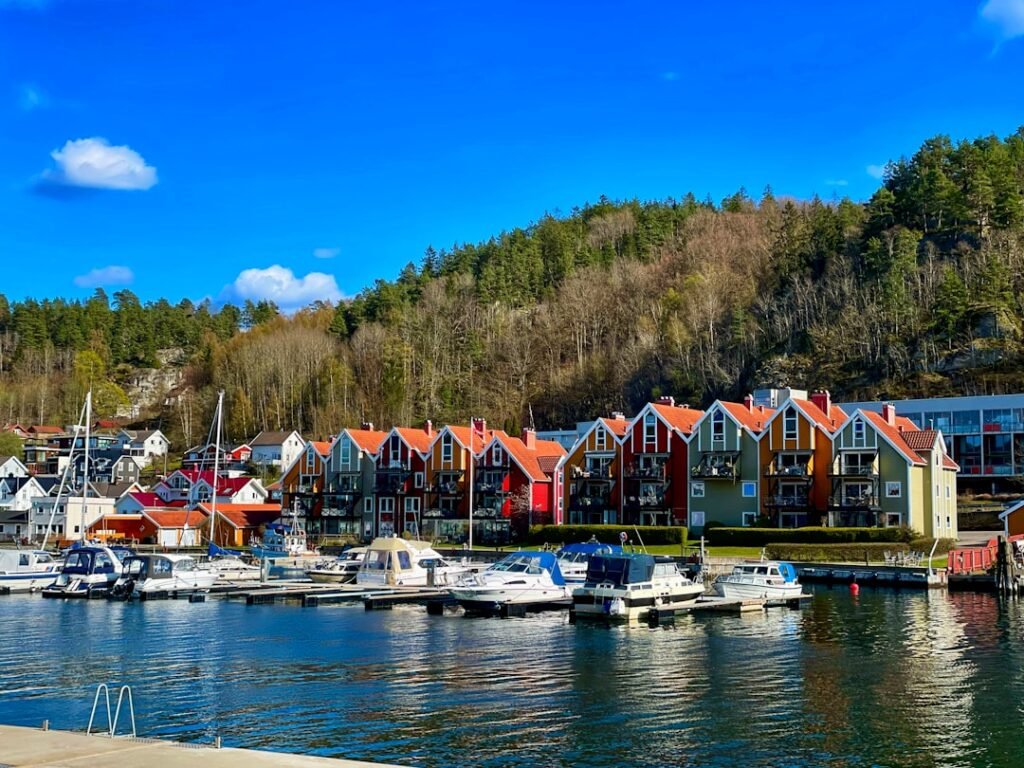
point(855, 588)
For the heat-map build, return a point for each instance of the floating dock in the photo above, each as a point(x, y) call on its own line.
point(53, 749)
point(914, 577)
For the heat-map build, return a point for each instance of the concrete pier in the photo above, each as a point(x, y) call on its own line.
point(64, 749)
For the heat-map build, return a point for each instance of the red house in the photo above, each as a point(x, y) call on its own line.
point(655, 464)
point(516, 481)
point(400, 479)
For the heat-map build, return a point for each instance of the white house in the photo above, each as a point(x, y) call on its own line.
point(16, 493)
point(277, 449)
point(11, 466)
point(193, 485)
point(73, 515)
point(145, 446)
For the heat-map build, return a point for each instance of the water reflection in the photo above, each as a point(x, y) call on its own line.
point(885, 678)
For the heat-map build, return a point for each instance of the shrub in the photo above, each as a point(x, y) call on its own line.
point(853, 552)
point(607, 534)
point(760, 537)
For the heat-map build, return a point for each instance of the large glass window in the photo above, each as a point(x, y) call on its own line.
point(718, 426)
point(650, 432)
point(446, 447)
point(789, 424)
point(941, 420)
point(997, 420)
point(966, 421)
point(998, 456)
point(967, 453)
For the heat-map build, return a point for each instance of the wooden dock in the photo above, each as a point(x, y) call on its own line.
point(64, 749)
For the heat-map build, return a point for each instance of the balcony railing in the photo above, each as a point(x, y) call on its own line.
point(490, 489)
point(650, 501)
point(441, 514)
point(790, 501)
point(447, 488)
point(792, 470)
point(851, 501)
point(721, 465)
point(855, 470)
point(390, 483)
point(589, 502)
point(594, 473)
point(646, 472)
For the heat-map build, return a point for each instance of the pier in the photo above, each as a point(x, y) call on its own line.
point(44, 748)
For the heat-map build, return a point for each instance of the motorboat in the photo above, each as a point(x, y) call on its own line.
point(768, 579)
point(26, 570)
point(163, 574)
point(626, 587)
point(397, 562)
point(283, 541)
point(229, 565)
point(520, 578)
point(87, 572)
point(573, 558)
point(339, 570)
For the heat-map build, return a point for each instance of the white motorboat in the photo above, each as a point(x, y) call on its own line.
point(627, 587)
point(283, 541)
point(229, 568)
point(87, 572)
point(520, 578)
point(573, 558)
point(768, 579)
point(26, 570)
point(397, 562)
point(163, 574)
point(340, 570)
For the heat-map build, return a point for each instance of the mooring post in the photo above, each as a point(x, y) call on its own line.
point(216, 742)
point(46, 725)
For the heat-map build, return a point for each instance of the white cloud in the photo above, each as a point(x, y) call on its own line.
point(280, 285)
point(1006, 17)
point(875, 171)
point(836, 182)
point(31, 97)
point(95, 163)
point(326, 253)
point(103, 276)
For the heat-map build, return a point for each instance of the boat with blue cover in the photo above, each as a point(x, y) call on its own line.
point(628, 586)
point(521, 578)
point(768, 579)
point(573, 558)
point(87, 572)
point(26, 570)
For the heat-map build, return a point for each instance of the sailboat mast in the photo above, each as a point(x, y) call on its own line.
point(216, 466)
point(85, 463)
point(68, 470)
point(472, 462)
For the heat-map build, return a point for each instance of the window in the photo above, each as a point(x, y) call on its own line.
point(893, 490)
point(387, 505)
point(749, 518)
point(412, 504)
point(417, 480)
point(697, 490)
point(949, 522)
point(858, 433)
point(749, 490)
point(947, 491)
point(498, 456)
point(650, 432)
point(395, 448)
point(346, 453)
point(600, 440)
point(718, 426)
point(697, 518)
point(446, 447)
point(368, 506)
point(789, 424)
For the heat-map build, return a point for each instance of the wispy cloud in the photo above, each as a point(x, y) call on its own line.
point(104, 276)
point(280, 285)
point(837, 182)
point(1004, 17)
point(95, 164)
point(875, 171)
point(326, 253)
point(32, 97)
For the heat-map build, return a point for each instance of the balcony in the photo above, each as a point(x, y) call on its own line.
point(855, 470)
point(790, 501)
point(717, 465)
point(854, 502)
point(797, 471)
point(648, 501)
point(347, 485)
point(589, 503)
point(440, 514)
point(447, 487)
point(390, 483)
point(656, 471)
point(603, 473)
point(340, 506)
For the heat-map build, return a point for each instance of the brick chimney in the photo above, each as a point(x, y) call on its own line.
point(823, 399)
point(367, 425)
point(748, 403)
point(889, 414)
point(618, 416)
point(529, 438)
point(428, 427)
point(667, 400)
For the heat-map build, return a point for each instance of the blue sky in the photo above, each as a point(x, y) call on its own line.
point(300, 150)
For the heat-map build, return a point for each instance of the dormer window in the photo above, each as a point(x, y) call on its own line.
point(446, 447)
point(498, 456)
point(395, 448)
point(600, 440)
point(650, 432)
point(346, 452)
point(858, 434)
point(789, 423)
point(718, 426)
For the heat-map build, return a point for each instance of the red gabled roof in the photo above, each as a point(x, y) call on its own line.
point(924, 440)
point(831, 422)
point(147, 499)
point(417, 439)
point(894, 435)
point(46, 429)
point(370, 440)
point(682, 419)
point(617, 427)
point(753, 420)
point(320, 447)
point(462, 434)
point(225, 485)
point(176, 518)
point(533, 461)
point(247, 515)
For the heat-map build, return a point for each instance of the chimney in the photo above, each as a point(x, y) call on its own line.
point(748, 403)
point(367, 425)
point(823, 399)
point(529, 438)
point(428, 427)
point(889, 414)
point(480, 426)
point(618, 416)
point(667, 400)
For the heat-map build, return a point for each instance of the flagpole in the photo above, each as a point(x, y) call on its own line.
point(472, 462)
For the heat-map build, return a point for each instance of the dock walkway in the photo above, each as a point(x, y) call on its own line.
point(64, 749)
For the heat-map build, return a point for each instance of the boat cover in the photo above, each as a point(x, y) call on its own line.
point(214, 551)
point(590, 548)
point(545, 560)
point(620, 569)
point(787, 571)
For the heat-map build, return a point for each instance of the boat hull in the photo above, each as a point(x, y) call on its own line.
point(332, 577)
point(492, 598)
point(751, 591)
point(610, 604)
point(27, 582)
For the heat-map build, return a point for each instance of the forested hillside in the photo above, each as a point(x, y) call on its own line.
point(916, 292)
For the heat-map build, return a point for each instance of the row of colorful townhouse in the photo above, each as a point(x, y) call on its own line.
point(423, 482)
point(804, 462)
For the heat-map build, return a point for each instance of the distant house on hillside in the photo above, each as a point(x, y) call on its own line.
point(276, 448)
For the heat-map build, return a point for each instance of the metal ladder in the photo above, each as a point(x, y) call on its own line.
point(112, 722)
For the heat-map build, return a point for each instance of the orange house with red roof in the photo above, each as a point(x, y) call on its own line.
point(516, 485)
point(302, 484)
point(447, 469)
point(655, 455)
point(591, 475)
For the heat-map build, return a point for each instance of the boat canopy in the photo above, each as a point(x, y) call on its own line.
point(531, 562)
point(589, 548)
point(214, 551)
point(787, 571)
point(620, 569)
point(87, 560)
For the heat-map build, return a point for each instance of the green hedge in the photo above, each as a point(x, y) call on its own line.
point(607, 534)
point(760, 537)
point(925, 545)
point(835, 553)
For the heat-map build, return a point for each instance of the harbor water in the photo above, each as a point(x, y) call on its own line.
point(885, 678)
